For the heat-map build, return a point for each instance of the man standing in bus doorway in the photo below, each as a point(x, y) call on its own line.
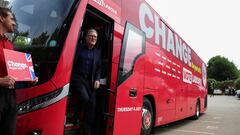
point(86, 78)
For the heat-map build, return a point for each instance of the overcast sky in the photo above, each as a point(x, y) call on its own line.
point(210, 27)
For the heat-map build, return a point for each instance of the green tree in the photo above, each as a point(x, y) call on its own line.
point(221, 69)
point(223, 85)
point(237, 84)
point(211, 85)
point(41, 39)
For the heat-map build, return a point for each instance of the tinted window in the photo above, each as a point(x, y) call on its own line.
point(133, 46)
point(42, 27)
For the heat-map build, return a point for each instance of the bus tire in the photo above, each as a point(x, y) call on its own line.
point(147, 117)
point(197, 111)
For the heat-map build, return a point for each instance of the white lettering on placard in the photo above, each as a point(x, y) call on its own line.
point(16, 65)
point(129, 109)
point(170, 41)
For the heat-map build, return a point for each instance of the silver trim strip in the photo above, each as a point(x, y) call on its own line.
point(32, 105)
point(64, 93)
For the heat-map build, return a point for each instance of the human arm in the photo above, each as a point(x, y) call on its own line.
point(7, 82)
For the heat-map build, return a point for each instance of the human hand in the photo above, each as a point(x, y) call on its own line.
point(8, 82)
point(33, 82)
point(96, 84)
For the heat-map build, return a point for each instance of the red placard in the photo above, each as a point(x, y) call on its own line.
point(19, 65)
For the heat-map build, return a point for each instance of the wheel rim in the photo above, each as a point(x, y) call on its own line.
point(146, 119)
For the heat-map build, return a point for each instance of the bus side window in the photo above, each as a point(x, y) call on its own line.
point(132, 48)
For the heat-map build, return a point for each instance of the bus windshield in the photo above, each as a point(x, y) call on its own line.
point(42, 27)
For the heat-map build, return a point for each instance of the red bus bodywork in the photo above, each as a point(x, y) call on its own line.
point(168, 73)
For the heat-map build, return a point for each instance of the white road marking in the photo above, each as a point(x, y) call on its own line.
point(196, 132)
point(217, 118)
point(212, 127)
point(217, 122)
point(217, 114)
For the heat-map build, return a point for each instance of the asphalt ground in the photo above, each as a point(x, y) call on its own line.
point(221, 118)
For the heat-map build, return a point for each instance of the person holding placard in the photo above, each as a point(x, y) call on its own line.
point(8, 107)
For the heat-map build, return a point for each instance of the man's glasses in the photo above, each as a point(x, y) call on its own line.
point(92, 36)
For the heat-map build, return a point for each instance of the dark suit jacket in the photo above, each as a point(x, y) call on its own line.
point(96, 70)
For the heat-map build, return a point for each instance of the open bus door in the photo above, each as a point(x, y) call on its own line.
point(129, 96)
point(94, 18)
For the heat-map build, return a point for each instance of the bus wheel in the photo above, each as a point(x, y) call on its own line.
point(147, 117)
point(197, 111)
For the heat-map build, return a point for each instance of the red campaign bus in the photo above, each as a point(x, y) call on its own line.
point(150, 76)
